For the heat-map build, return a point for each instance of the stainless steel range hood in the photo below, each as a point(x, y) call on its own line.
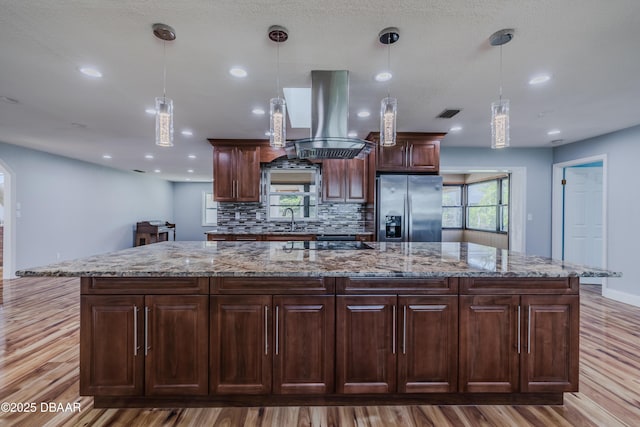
point(329, 121)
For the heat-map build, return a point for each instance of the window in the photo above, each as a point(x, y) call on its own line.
point(482, 205)
point(209, 209)
point(452, 206)
point(295, 189)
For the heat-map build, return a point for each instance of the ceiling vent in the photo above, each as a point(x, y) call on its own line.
point(448, 113)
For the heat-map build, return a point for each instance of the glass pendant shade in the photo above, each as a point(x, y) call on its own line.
point(164, 122)
point(277, 122)
point(388, 114)
point(500, 124)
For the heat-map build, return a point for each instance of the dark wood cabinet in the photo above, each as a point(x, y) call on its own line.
point(144, 345)
point(177, 352)
point(428, 344)
point(389, 344)
point(111, 339)
point(240, 344)
point(366, 344)
point(512, 343)
point(236, 173)
point(413, 152)
point(345, 180)
point(282, 344)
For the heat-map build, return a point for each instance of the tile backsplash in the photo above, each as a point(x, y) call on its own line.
point(252, 217)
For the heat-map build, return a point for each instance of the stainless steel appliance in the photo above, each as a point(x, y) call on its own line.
point(409, 208)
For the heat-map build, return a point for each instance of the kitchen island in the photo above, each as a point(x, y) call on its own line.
point(311, 323)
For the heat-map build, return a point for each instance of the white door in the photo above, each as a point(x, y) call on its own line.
point(582, 241)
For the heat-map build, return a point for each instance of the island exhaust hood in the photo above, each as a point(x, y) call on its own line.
point(329, 117)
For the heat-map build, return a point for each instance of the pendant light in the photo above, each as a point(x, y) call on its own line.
point(500, 108)
point(164, 105)
point(277, 105)
point(388, 106)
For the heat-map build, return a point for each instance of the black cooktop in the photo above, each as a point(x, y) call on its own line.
point(332, 245)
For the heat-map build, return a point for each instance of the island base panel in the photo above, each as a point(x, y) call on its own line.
point(331, 400)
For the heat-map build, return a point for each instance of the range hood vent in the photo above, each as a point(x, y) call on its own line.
point(329, 117)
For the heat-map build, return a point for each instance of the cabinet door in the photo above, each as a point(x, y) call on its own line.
point(111, 353)
point(366, 344)
point(423, 156)
point(248, 174)
point(177, 344)
point(224, 174)
point(489, 360)
point(428, 344)
point(549, 361)
point(240, 344)
point(304, 344)
point(392, 158)
point(356, 183)
point(333, 178)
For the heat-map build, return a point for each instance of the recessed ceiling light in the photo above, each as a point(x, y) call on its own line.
point(267, 133)
point(258, 111)
point(90, 72)
point(148, 156)
point(190, 170)
point(553, 132)
point(188, 179)
point(192, 156)
point(150, 111)
point(455, 128)
point(238, 72)
point(363, 114)
point(106, 156)
point(187, 132)
point(539, 79)
point(352, 134)
point(156, 170)
point(383, 76)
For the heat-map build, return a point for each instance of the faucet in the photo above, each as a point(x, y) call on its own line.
point(293, 224)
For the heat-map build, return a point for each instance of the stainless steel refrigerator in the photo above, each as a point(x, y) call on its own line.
point(409, 208)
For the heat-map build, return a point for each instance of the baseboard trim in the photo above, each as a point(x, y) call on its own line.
point(621, 296)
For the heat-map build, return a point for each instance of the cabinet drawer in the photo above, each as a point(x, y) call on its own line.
point(383, 285)
point(144, 285)
point(519, 285)
point(273, 285)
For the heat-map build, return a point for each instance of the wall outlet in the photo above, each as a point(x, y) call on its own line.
point(237, 215)
point(258, 216)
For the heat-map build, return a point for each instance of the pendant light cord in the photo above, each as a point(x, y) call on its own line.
point(500, 72)
point(278, 68)
point(389, 64)
point(164, 74)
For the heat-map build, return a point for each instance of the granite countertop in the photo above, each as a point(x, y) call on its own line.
point(289, 259)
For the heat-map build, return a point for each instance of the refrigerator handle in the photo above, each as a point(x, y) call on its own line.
point(405, 220)
point(409, 218)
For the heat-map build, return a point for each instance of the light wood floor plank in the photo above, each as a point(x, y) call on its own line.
point(39, 337)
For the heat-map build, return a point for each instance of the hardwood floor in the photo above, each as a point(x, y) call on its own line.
point(39, 322)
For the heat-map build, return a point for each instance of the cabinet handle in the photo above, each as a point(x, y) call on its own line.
point(410, 156)
point(135, 330)
point(404, 329)
point(146, 330)
point(393, 331)
point(529, 332)
point(266, 338)
point(518, 329)
point(277, 328)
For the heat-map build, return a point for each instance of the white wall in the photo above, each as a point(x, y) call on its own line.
point(70, 209)
point(537, 162)
point(623, 205)
point(187, 210)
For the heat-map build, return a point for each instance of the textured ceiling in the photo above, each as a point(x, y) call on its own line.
point(442, 60)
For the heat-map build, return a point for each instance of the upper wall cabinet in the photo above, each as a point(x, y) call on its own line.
point(236, 171)
point(345, 181)
point(413, 152)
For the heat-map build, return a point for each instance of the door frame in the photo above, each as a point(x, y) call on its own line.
point(517, 200)
point(557, 207)
point(9, 250)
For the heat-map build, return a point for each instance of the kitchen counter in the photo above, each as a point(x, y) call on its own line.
point(251, 259)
